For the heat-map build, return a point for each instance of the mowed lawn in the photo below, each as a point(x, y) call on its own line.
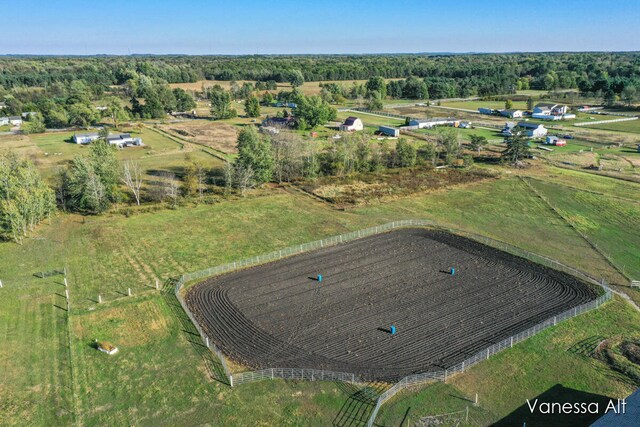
point(474, 105)
point(632, 126)
point(161, 376)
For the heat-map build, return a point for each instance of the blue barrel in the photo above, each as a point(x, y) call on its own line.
point(453, 271)
point(319, 277)
point(393, 330)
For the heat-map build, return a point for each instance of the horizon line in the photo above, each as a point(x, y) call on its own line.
point(515, 52)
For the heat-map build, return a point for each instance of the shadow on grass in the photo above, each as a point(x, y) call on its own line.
point(358, 407)
point(557, 394)
point(212, 363)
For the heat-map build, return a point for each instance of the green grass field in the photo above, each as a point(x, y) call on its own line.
point(50, 151)
point(474, 105)
point(370, 119)
point(632, 126)
point(161, 374)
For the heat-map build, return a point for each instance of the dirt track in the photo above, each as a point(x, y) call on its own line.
point(276, 315)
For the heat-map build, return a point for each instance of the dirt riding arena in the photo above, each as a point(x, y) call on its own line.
point(279, 315)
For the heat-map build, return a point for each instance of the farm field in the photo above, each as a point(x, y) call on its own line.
point(219, 136)
point(371, 119)
point(277, 315)
point(49, 151)
point(308, 88)
point(631, 126)
point(474, 105)
point(162, 375)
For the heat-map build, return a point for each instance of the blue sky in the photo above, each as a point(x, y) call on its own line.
point(321, 26)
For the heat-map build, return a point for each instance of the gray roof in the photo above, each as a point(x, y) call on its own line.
point(15, 118)
point(87, 135)
point(350, 121)
point(529, 125)
point(628, 419)
point(114, 136)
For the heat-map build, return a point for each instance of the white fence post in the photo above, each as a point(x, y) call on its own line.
point(1, 284)
point(99, 299)
point(129, 291)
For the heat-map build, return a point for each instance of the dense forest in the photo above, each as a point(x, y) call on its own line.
point(456, 75)
point(80, 91)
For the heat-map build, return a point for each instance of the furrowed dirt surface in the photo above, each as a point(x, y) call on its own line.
point(277, 315)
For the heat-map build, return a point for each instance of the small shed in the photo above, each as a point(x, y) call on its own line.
point(554, 140)
point(389, 131)
point(106, 347)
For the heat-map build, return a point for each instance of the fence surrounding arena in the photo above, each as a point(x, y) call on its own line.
point(442, 375)
point(411, 380)
point(293, 374)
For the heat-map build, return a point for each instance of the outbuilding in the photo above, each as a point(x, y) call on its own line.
point(533, 130)
point(513, 114)
point(554, 140)
point(352, 124)
point(85, 138)
point(15, 120)
point(389, 131)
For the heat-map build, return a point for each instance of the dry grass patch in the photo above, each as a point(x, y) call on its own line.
point(219, 136)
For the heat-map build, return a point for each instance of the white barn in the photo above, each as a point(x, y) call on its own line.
point(352, 124)
point(513, 114)
point(533, 130)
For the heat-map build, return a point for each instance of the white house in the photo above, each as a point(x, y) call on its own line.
point(547, 111)
point(15, 120)
point(4, 121)
point(122, 140)
point(389, 131)
point(513, 114)
point(3, 105)
point(533, 130)
point(352, 124)
point(85, 138)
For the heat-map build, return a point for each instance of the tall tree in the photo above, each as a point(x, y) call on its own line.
point(132, 178)
point(296, 78)
point(184, 101)
point(377, 84)
point(477, 142)
point(255, 153)
point(252, 106)
point(25, 200)
point(221, 104)
point(517, 146)
point(116, 110)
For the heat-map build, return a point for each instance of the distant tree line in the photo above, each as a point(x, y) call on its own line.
point(453, 75)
